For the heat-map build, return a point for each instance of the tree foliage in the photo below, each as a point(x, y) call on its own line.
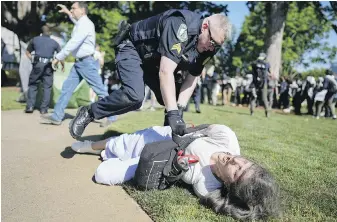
point(304, 32)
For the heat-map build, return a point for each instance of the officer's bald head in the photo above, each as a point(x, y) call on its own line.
point(215, 30)
point(221, 27)
point(45, 30)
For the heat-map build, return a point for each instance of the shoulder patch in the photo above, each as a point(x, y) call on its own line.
point(182, 33)
point(176, 47)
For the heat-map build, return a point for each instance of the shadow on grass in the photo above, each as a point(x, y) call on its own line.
point(227, 111)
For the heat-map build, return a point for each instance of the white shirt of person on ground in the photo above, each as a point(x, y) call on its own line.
point(83, 39)
point(122, 154)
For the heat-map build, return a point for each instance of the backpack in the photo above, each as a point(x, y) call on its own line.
point(157, 167)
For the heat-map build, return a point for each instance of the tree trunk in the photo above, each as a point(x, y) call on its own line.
point(276, 15)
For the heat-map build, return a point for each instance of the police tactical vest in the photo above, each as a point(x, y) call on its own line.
point(260, 73)
point(145, 34)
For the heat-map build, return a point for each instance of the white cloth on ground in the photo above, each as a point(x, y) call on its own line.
point(123, 156)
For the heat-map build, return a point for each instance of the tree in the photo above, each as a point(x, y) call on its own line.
point(304, 31)
point(276, 14)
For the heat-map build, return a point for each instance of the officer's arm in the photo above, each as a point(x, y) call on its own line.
point(172, 43)
point(167, 83)
point(30, 48)
point(187, 89)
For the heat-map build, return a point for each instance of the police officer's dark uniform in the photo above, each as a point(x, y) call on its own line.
point(173, 34)
point(260, 80)
point(44, 48)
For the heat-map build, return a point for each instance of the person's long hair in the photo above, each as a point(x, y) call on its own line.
point(253, 197)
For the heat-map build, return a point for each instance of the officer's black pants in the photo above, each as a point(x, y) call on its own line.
point(41, 72)
point(133, 74)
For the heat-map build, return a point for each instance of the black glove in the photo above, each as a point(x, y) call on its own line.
point(176, 122)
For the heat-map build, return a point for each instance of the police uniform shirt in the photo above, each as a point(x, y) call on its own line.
point(175, 45)
point(43, 46)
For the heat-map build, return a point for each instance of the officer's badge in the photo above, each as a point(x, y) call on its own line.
point(182, 33)
point(206, 60)
point(176, 47)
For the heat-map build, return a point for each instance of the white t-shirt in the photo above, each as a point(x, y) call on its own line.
point(220, 139)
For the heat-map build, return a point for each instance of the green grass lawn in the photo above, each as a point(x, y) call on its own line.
point(8, 98)
point(301, 153)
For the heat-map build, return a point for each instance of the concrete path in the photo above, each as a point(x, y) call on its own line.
point(43, 180)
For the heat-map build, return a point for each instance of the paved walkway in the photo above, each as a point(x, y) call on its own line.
point(43, 180)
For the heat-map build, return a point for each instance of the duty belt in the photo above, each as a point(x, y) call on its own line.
point(43, 60)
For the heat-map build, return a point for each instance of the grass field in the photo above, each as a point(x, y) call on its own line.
point(301, 153)
point(8, 98)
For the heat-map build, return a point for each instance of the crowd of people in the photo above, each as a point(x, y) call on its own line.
point(287, 93)
point(166, 57)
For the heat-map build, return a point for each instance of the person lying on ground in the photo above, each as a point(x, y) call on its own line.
point(224, 181)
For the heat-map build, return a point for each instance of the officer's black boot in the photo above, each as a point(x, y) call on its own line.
point(83, 117)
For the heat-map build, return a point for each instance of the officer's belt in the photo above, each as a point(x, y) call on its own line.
point(43, 60)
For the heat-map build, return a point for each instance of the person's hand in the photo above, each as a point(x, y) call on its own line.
point(54, 64)
point(176, 122)
point(64, 9)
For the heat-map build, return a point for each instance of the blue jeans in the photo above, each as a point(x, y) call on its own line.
point(85, 69)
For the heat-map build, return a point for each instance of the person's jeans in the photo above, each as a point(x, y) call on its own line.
point(85, 69)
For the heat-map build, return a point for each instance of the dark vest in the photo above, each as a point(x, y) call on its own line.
point(145, 34)
point(260, 71)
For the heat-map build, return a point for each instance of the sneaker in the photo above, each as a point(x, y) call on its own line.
point(47, 119)
point(152, 108)
point(334, 117)
point(29, 110)
point(84, 147)
point(80, 121)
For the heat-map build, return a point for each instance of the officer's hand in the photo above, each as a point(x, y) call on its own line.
point(63, 8)
point(176, 122)
point(54, 64)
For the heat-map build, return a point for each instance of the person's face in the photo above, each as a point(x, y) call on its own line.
point(76, 11)
point(229, 168)
point(208, 40)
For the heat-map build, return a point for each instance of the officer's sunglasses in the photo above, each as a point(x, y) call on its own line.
point(211, 40)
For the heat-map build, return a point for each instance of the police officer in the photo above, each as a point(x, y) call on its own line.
point(44, 48)
point(151, 51)
point(262, 81)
